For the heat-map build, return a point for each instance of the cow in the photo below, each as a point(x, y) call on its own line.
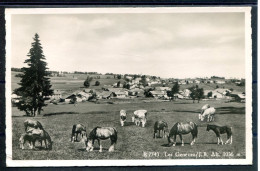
point(140, 116)
point(78, 129)
point(29, 123)
point(122, 117)
point(210, 112)
point(160, 126)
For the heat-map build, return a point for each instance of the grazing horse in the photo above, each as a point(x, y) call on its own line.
point(221, 130)
point(182, 128)
point(210, 112)
point(29, 123)
point(122, 117)
point(40, 135)
point(140, 116)
point(160, 126)
point(101, 133)
point(25, 137)
point(78, 129)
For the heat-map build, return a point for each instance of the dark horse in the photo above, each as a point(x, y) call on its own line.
point(160, 126)
point(101, 133)
point(78, 129)
point(221, 130)
point(180, 129)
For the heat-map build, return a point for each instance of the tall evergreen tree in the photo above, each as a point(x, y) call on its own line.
point(34, 84)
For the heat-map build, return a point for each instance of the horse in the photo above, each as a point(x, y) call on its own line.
point(140, 116)
point(221, 130)
point(29, 123)
point(78, 129)
point(160, 126)
point(101, 133)
point(122, 117)
point(25, 137)
point(210, 112)
point(180, 129)
point(40, 135)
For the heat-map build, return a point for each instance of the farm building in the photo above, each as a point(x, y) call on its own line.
point(238, 96)
point(220, 81)
point(223, 91)
point(158, 94)
point(136, 92)
point(217, 95)
point(182, 82)
point(15, 98)
point(104, 95)
point(178, 96)
point(106, 87)
point(162, 88)
point(119, 94)
point(185, 93)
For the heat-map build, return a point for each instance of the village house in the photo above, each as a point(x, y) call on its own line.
point(157, 94)
point(162, 88)
point(104, 95)
point(220, 81)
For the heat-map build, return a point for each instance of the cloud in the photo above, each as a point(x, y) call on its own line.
point(155, 44)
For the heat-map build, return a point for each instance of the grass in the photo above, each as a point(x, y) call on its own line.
point(133, 142)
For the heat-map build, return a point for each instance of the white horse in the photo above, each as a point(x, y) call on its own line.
point(206, 106)
point(140, 116)
point(122, 117)
point(210, 112)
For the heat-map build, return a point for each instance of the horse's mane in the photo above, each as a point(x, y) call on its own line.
point(93, 133)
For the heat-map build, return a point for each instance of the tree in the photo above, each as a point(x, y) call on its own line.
point(97, 83)
point(118, 84)
point(209, 94)
point(119, 77)
point(143, 80)
point(35, 83)
point(174, 90)
point(87, 81)
point(196, 93)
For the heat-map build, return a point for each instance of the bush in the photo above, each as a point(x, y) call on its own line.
point(97, 83)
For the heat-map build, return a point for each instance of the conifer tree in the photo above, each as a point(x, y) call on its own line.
point(35, 83)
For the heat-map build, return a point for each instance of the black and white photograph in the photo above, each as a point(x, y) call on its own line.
point(128, 86)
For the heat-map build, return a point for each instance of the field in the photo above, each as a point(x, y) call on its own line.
point(133, 142)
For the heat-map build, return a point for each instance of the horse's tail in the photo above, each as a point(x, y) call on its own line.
point(195, 132)
point(40, 125)
point(48, 138)
point(114, 137)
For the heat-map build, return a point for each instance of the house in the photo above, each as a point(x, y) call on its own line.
point(197, 81)
point(223, 91)
point(162, 88)
point(104, 95)
point(217, 95)
point(179, 96)
point(220, 81)
point(238, 96)
point(136, 92)
point(186, 93)
point(106, 87)
point(158, 94)
point(119, 94)
point(182, 82)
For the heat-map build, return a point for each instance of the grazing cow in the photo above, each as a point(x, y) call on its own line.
point(210, 112)
point(29, 123)
point(122, 117)
point(206, 106)
point(221, 130)
point(182, 128)
point(40, 135)
point(140, 116)
point(101, 133)
point(78, 129)
point(160, 126)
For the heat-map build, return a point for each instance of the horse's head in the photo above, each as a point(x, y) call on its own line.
point(133, 119)
point(208, 128)
point(89, 145)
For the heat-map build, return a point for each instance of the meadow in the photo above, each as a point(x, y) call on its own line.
point(133, 142)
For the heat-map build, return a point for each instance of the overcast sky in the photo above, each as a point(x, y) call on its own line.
point(167, 45)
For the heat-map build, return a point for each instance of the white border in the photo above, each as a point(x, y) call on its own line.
point(167, 162)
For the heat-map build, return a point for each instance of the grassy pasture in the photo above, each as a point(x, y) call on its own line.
point(133, 142)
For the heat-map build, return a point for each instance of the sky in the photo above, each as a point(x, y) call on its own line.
point(169, 45)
